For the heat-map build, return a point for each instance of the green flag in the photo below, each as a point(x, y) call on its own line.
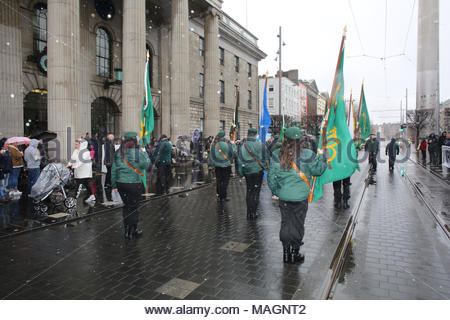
point(147, 121)
point(364, 121)
point(342, 156)
point(234, 124)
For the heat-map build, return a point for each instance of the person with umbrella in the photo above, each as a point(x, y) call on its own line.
point(17, 165)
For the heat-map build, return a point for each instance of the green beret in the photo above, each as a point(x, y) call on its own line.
point(130, 135)
point(221, 134)
point(293, 133)
point(252, 131)
point(276, 136)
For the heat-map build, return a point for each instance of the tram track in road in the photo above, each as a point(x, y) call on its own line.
point(444, 226)
point(345, 242)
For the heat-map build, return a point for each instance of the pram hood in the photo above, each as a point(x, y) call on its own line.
point(52, 176)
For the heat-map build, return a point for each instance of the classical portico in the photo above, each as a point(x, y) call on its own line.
point(194, 46)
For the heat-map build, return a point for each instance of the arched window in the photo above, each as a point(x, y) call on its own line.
point(39, 27)
point(103, 53)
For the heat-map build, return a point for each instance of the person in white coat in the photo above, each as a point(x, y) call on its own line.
point(81, 162)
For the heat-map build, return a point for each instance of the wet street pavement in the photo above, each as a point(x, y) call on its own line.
point(195, 248)
point(399, 251)
point(19, 216)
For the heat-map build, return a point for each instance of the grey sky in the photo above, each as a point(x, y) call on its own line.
point(312, 32)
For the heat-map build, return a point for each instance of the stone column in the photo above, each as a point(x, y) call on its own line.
point(63, 48)
point(165, 81)
point(11, 96)
point(133, 63)
point(427, 88)
point(212, 106)
point(87, 67)
point(180, 81)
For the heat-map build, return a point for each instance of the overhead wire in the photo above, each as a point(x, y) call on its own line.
point(356, 26)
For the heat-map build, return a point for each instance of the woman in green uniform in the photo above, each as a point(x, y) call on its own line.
point(128, 167)
point(290, 177)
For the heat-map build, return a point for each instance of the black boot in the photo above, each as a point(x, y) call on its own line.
point(135, 232)
point(346, 205)
point(287, 255)
point(337, 204)
point(127, 234)
point(296, 256)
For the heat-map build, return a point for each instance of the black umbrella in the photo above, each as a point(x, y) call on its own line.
point(46, 136)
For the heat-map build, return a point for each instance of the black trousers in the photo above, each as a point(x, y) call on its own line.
point(292, 229)
point(373, 161)
point(424, 155)
point(108, 176)
point(222, 180)
point(164, 172)
point(254, 182)
point(130, 194)
point(87, 182)
point(391, 163)
point(338, 192)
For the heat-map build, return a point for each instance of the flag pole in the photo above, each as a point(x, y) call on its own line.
point(359, 109)
point(327, 115)
point(349, 108)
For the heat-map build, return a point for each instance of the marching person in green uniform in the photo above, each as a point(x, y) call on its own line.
point(128, 167)
point(290, 178)
point(251, 165)
point(221, 157)
point(163, 161)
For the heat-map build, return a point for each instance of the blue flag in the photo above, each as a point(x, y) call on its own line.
point(265, 122)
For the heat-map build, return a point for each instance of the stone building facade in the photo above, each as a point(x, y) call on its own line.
point(80, 64)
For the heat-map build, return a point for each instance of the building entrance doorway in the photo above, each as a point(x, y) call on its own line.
point(104, 117)
point(35, 112)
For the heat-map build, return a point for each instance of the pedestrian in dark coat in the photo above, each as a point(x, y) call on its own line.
point(129, 166)
point(373, 147)
point(433, 146)
point(163, 161)
point(392, 150)
point(109, 158)
point(290, 177)
point(441, 141)
point(5, 170)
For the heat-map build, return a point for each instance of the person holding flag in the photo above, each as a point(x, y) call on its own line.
point(289, 178)
point(251, 159)
point(335, 135)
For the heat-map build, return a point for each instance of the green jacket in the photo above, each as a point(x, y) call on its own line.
point(121, 172)
point(216, 158)
point(287, 184)
point(164, 153)
point(246, 163)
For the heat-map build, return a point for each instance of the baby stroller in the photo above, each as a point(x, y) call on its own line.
point(49, 189)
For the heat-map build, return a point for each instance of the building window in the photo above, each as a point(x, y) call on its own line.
point(222, 125)
point(222, 91)
point(236, 93)
point(236, 63)
point(271, 88)
point(271, 100)
point(249, 99)
point(202, 46)
point(202, 85)
point(249, 71)
point(221, 56)
point(40, 28)
point(250, 125)
point(103, 53)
